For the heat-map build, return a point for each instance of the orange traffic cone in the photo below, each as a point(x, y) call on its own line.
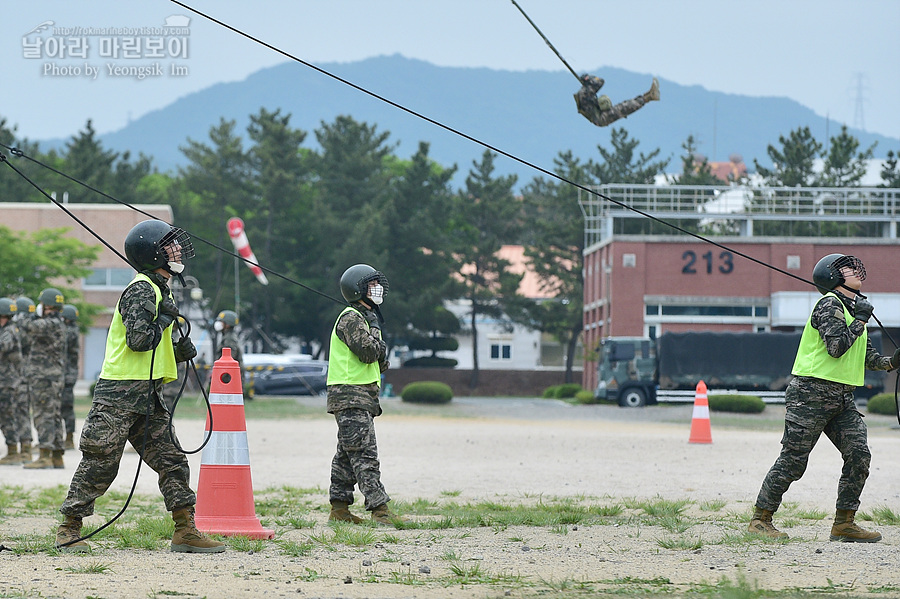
point(225, 491)
point(700, 430)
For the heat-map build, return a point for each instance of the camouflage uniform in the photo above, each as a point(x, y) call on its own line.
point(10, 365)
point(355, 407)
point(589, 104)
point(814, 406)
point(230, 340)
point(123, 411)
point(46, 372)
point(71, 377)
point(22, 395)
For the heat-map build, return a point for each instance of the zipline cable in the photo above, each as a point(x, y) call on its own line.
point(544, 37)
point(512, 156)
point(480, 142)
point(434, 122)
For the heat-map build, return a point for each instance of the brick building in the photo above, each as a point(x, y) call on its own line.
point(648, 284)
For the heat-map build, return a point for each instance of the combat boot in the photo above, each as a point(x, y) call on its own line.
point(25, 451)
point(761, 524)
point(340, 512)
point(69, 531)
point(44, 461)
point(12, 456)
point(846, 530)
point(70, 441)
point(383, 516)
point(653, 94)
point(57, 458)
point(187, 539)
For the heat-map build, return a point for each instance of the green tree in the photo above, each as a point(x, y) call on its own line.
point(13, 187)
point(793, 163)
point(620, 165)
point(39, 259)
point(845, 165)
point(347, 224)
point(215, 180)
point(419, 255)
point(695, 168)
point(279, 207)
point(890, 174)
point(555, 248)
point(486, 216)
point(86, 160)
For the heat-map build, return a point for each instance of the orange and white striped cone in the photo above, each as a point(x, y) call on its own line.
point(700, 429)
point(225, 491)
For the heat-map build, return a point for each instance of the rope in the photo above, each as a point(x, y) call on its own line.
point(544, 37)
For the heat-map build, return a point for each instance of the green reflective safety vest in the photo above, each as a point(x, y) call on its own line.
point(813, 359)
point(121, 363)
point(344, 368)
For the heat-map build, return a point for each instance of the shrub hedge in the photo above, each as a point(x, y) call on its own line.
point(585, 397)
point(749, 404)
point(430, 362)
point(427, 392)
point(564, 391)
point(883, 403)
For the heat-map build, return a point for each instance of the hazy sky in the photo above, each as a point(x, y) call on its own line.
point(838, 57)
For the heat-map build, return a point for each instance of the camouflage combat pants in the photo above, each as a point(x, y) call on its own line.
point(103, 437)
point(46, 396)
point(603, 118)
point(67, 408)
point(356, 460)
point(815, 406)
point(22, 409)
point(8, 424)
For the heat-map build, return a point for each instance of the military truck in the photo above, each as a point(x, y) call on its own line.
point(633, 370)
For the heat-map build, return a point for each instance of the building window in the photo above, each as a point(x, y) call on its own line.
point(629, 260)
point(108, 278)
point(501, 351)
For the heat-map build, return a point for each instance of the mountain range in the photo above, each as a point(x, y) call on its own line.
point(530, 115)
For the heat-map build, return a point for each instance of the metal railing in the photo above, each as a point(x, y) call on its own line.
point(737, 203)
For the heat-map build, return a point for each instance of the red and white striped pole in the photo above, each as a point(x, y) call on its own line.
point(242, 246)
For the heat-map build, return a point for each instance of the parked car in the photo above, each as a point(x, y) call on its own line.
point(306, 377)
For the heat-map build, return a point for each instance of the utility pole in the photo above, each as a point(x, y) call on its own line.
point(859, 121)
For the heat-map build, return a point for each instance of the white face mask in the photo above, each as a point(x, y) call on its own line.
point(376, 293)
point(219, 325)
point(39, 310)
point(173, 252)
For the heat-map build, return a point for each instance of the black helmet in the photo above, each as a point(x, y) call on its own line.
point(827, 272)
point(69, 312)
point(7, 307)
point(51, 297)
point(356, 278)
point(228, 317)
point(24, 305)
point(146, 243)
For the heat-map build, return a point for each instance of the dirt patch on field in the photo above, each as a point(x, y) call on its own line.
point(509, 452)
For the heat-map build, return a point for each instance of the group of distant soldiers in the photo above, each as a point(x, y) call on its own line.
point(39, 348)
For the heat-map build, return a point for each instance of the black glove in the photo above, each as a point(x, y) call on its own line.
point(862, 310)
point(168, 312)
point(185, 350)
point(372, 319)
point(895, 359)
